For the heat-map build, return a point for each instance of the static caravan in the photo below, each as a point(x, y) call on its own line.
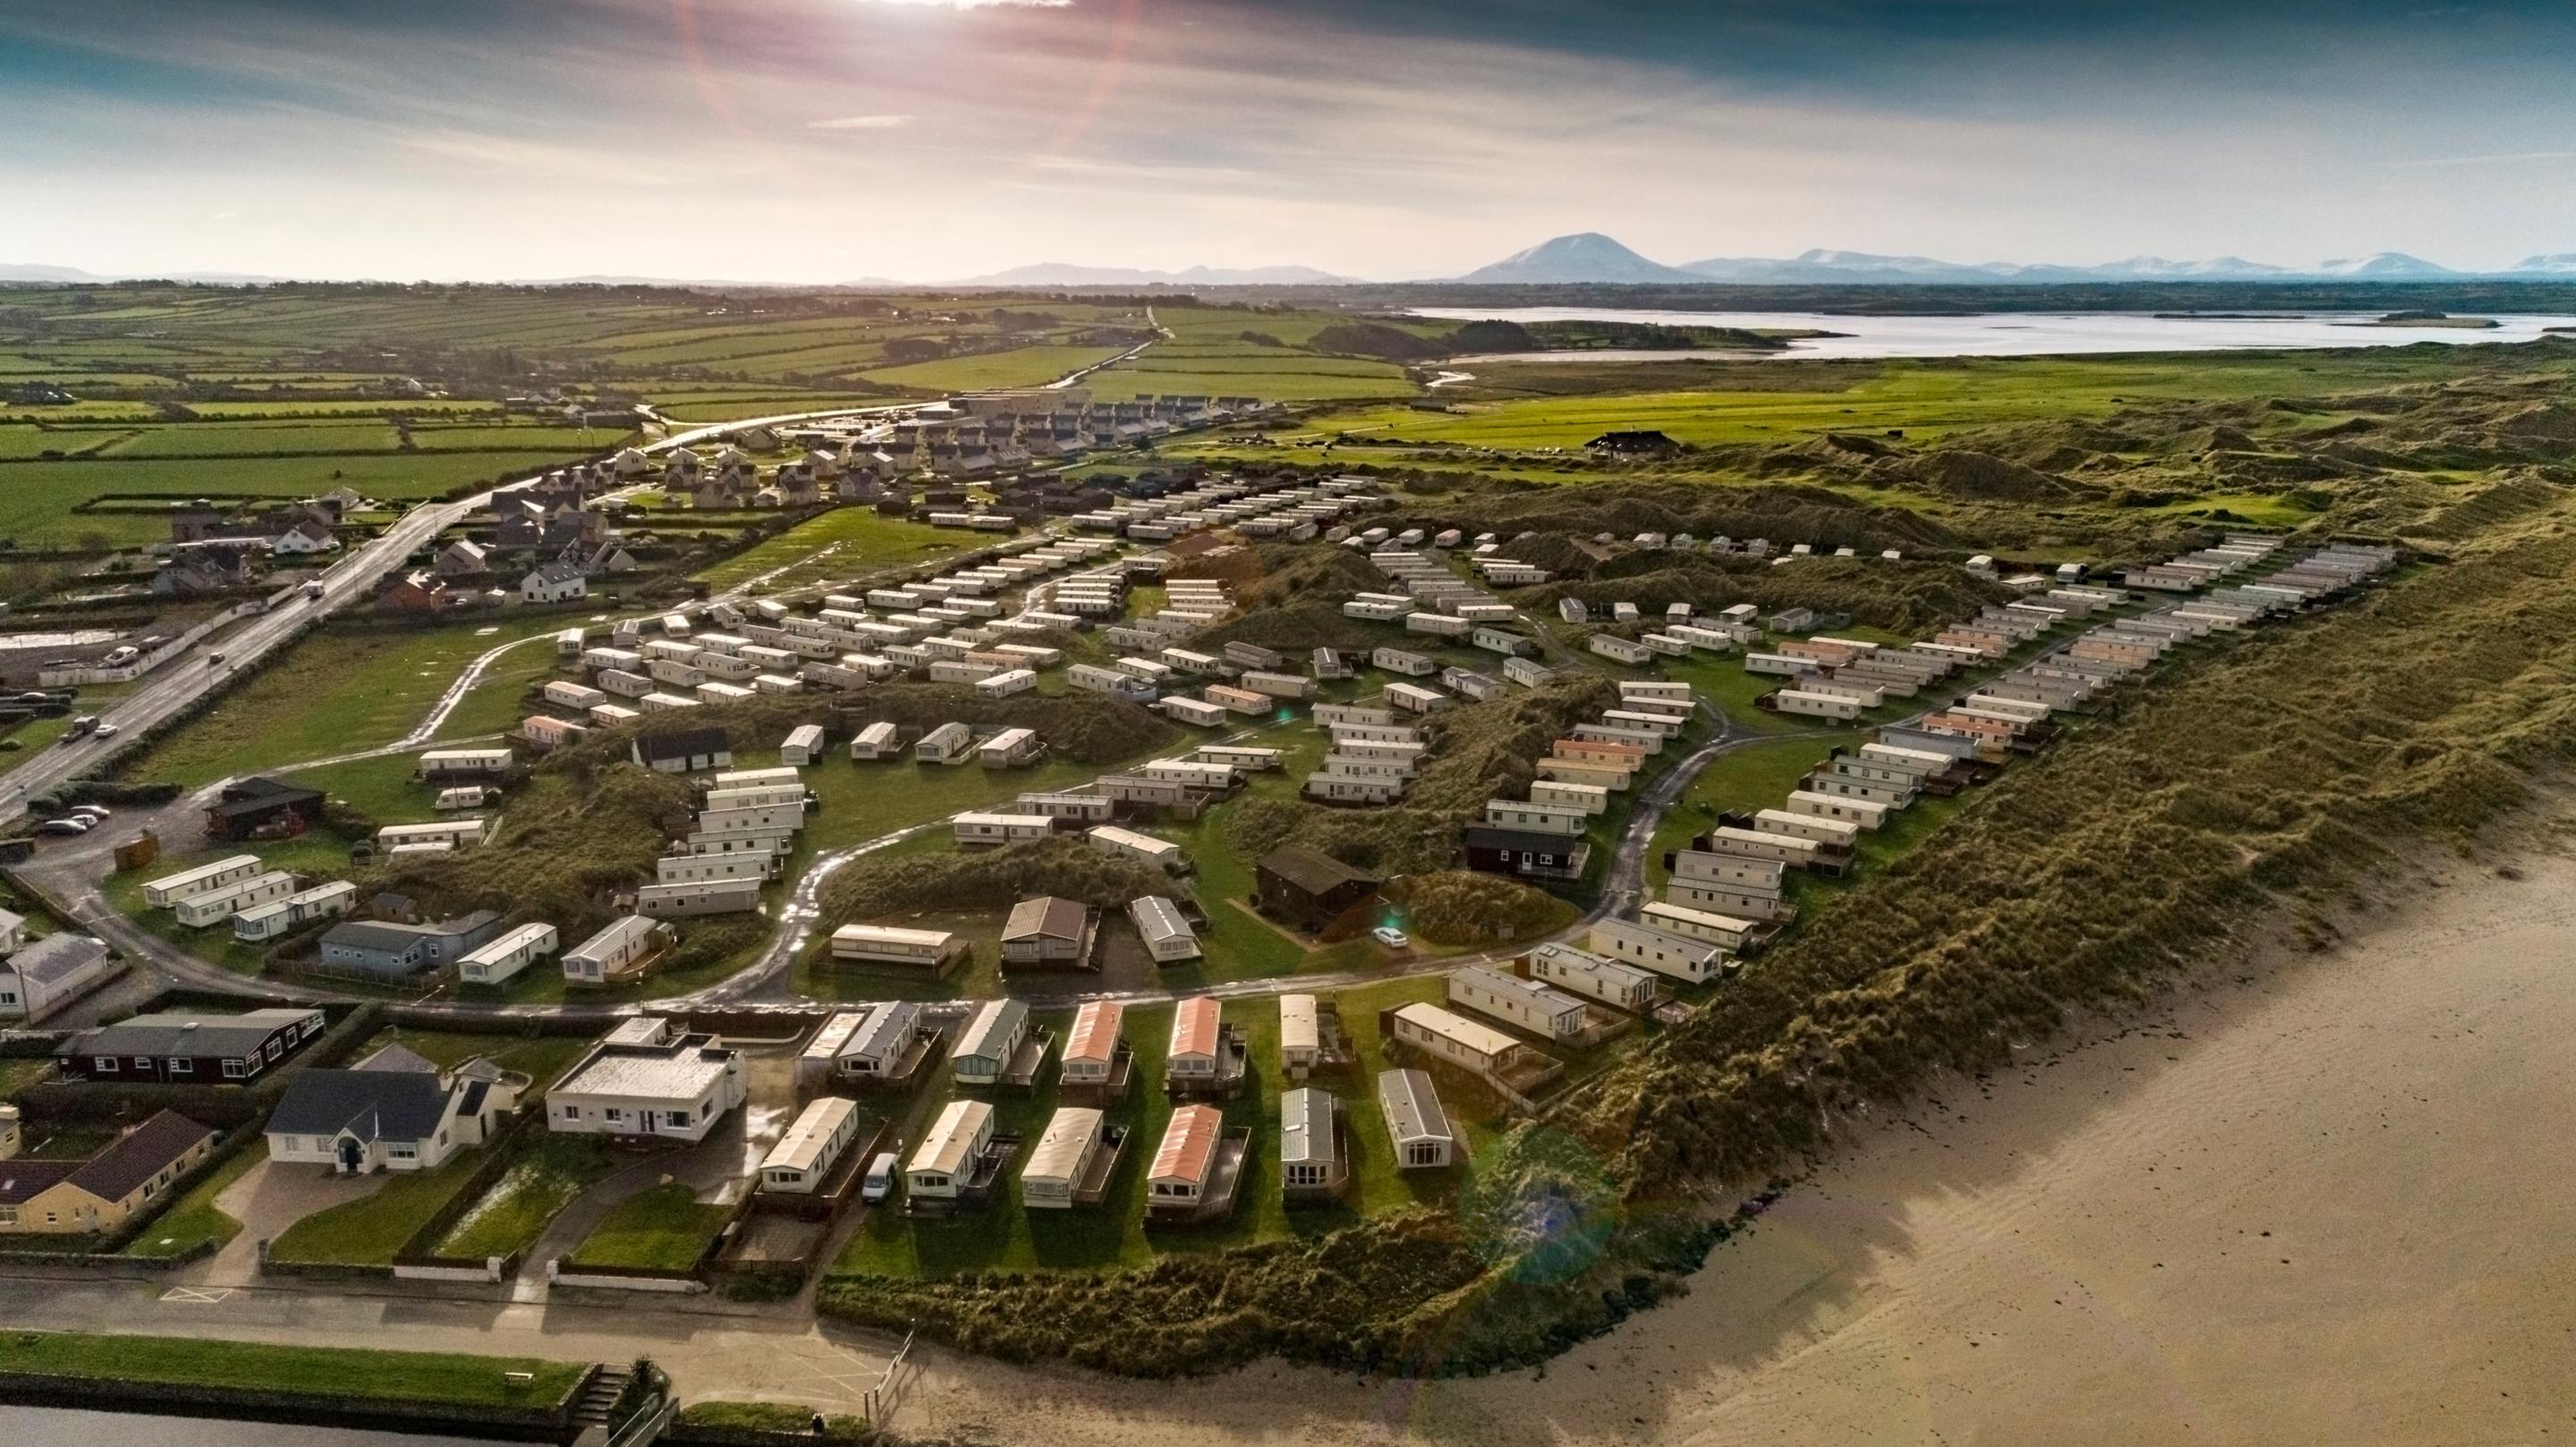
point(1064, 1155)
point(876, 741)
point(617, 951)
point(1818, 705)
point(1531, 1006)
point(1006, 683)
point(753, 796)
point(992, 1037)
point(1731, 932)
point(979, 830)
point(1185, 1163)
point(1792, 850)
point(217, 905)
point(454, 833)
point(1197, 1047)
point(1832, 833)
point(1692, 961)
point(1093, 1047)
point(438, 764)
point(945, 1162)
point(803, 1158)
point(1197, 712)
point(1238, 700)
point(1613, 778)
point(1618, 649)
point(1396, 660)
point(1163, 854)
point(1730, 899)
point(1413, 698)
point(1597, 977)
point(804, 746)
point(885, 945)
point(507, 956)
point(1335, 715)
point(1415, 1120)
point(1592, 799)
point(951, 744)
point(278, 917)
point(1779, 664)
point(1438, 625)
point(1080, 808)
point(1167, 935)
point(1654, 723)
point(563, 693)
point(1449, 1036)
point(1864, 813)
point(1010, 749)
point(1278, 685)
point(1536, 817)
point(1238, 756)
point(1311, 1160)
point(168, 890)
point(697, 897)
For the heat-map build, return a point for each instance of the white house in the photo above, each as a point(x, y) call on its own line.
point(556, 582)
point(654, 1083)
point(393, 1111)
point(51, 973)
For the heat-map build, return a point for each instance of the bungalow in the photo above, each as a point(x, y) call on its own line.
point(385, 947)
point(393, 1111)
point(1525, 854)
point(648, 1083)
point(188, 1047)
point(54, 971)
point(99, 1195)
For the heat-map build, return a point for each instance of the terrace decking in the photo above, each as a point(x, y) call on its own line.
point(1093, 1189)
point(1103, 1093)
point(1233, 1067)
point(1027, 1062)
point(975, 1191)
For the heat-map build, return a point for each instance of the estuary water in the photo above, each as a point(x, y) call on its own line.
point(64, 1427)
point(2014, 334)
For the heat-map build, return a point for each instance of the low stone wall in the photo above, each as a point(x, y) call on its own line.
point(613, 1278)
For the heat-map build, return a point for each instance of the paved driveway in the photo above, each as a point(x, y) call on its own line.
point(266, 1200)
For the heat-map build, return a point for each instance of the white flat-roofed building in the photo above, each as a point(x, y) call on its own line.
point(813, 1144)
point(675, 1089)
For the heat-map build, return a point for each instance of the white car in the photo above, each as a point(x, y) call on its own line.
point(93, 812)
point(103, 731)
point(1391, 937)
point(879, 1181)
point(64, 827)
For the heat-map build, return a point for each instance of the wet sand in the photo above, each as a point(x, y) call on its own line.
point(2326, 1198)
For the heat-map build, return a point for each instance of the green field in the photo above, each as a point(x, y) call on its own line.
point(315, 1371)
point(661, 1228)
point(840, 544)
point(1022, 367)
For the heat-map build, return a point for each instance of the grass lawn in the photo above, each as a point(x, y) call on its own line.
point(1114, 1235)
point(319, 1371)
point(320, 855)
point(540, 1057)
point(193, 1220)
point(19, 1072)
point(1757, 776)
point(339, 690)
point(1022, 367)
point(858, 539)
point(664, 1228)
point(368, 1231)
point(513, 1213)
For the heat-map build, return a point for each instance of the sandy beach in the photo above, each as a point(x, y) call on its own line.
point(2324, 1198)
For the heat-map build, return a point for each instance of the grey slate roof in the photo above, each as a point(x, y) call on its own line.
point(173, 1033)
point(392, 1105)
point(56, 958)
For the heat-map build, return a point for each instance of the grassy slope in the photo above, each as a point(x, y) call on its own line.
point(318, 1371)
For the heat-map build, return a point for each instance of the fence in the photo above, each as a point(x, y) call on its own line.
point(74, 675)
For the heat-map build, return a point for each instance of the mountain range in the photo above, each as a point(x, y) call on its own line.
point(1592, 259)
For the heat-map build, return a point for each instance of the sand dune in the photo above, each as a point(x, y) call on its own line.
point(2327, 1200)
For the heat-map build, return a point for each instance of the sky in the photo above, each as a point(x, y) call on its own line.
point(922, 140)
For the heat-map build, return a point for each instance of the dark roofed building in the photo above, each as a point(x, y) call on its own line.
point(384, 947)
point(1047, 930)
point(263, 808)
point(393, 1110)
point(1524, 854)
point(188, 1048)
point(1308, 888)
point(683, 751)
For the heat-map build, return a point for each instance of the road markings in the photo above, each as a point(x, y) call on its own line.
point(197, 1295)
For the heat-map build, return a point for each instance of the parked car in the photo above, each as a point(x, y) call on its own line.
point(68, 827)
point(879, 1182)
point(93, 812)
point(1391, 937)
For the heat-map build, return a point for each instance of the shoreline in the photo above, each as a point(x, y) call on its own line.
point(2212, 1220)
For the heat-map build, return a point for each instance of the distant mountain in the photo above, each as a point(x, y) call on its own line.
point(2560, 264)
point(1059, 273)
point(1589, 258)
point(2386, 266)
point(23, 271)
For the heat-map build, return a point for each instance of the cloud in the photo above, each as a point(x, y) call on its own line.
point(971, 4)
point(859, 123)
